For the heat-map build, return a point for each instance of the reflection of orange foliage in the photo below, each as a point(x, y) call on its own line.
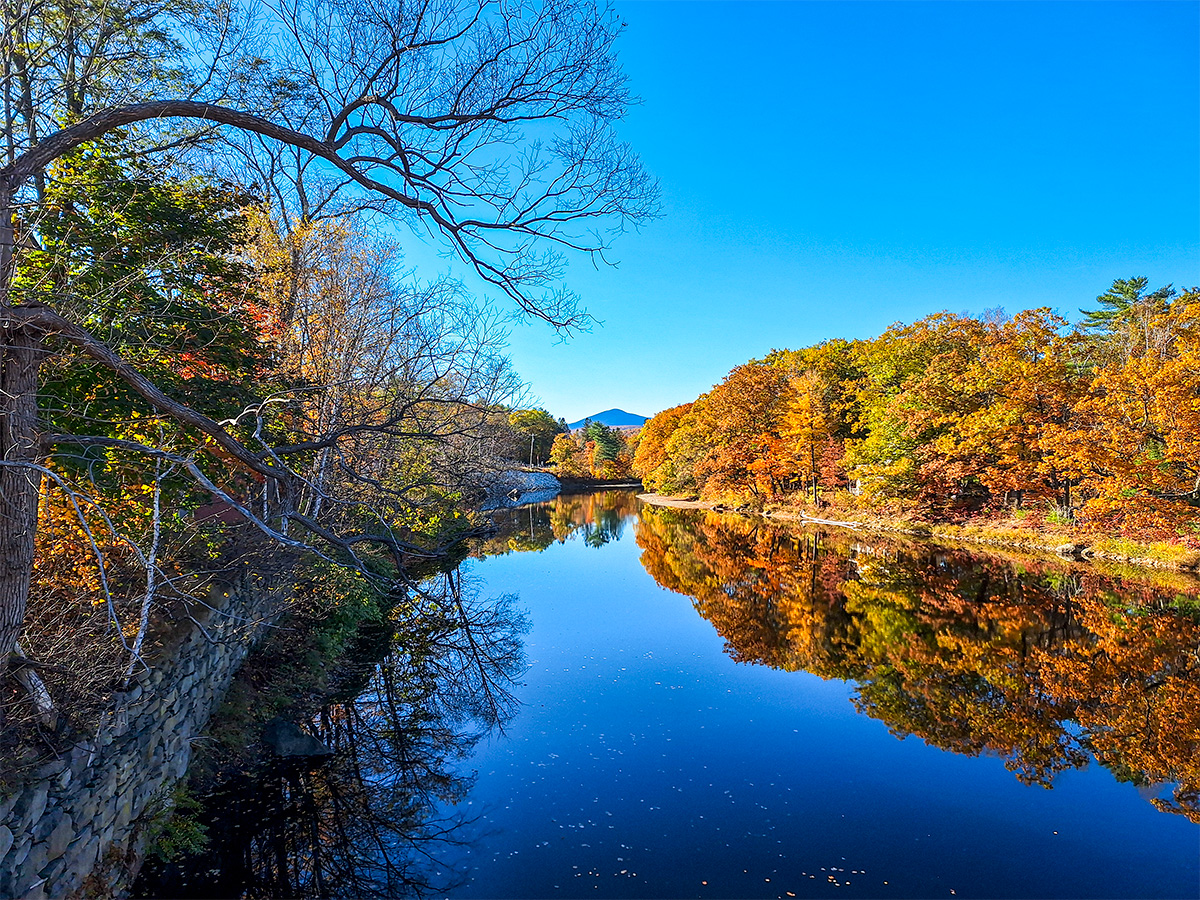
point(1136, 690)
point(968, 653)
point(605, 510)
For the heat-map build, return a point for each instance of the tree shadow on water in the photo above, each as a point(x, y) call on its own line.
point(379, 817)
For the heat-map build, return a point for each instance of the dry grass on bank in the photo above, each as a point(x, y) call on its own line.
point(1023, 531)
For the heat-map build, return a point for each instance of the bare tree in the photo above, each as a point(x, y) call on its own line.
point(395, 383)
point(488, 124)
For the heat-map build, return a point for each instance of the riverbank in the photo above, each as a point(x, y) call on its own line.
point(1060, 542)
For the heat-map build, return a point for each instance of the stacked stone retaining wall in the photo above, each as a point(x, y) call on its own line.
point(75, 826)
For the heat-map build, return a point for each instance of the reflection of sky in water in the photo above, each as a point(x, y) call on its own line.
point(646, 763)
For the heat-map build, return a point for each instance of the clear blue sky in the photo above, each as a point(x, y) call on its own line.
point(830, 168)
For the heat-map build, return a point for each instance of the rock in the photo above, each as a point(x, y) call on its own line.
point(131, 696)
point(48, 823)
point(82, 845)
point(68, 883)
point(287, 740)
point(37, 805)
point(1075, 550)
point(37, 858)
point(21, 853)
point(178, 765)
point(504, 489)
point(90, 809)
point(124, 814)
point(6, 840)
point(52, 873)
point(48, 770)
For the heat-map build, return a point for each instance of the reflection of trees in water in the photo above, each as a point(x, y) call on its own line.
point(1037, 663)
point(371, 820)
point(597, 518)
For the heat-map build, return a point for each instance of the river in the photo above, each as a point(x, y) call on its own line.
point(672, 703)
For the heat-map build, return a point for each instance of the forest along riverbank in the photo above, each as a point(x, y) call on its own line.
point(1071, 546)
point(1021, 431)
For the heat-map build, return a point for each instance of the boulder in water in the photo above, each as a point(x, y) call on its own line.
point(286, 740)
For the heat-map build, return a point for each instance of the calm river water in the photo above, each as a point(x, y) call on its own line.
point(714, 706)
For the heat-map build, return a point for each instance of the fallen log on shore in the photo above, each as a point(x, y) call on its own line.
point(853, 526)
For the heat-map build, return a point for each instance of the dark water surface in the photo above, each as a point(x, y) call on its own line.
point(713, 706)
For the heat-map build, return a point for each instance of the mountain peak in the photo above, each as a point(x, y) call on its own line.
point(613, 418)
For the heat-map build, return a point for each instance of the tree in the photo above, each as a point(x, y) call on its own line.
point(1136, 440)
point(742, 416)
point(568, 457)
point(491, 125)
point(687, 445)
point(606, 439)
point(540, 428)
point(911, 394)
point(806, 425)
point(1124, 319)
point(651, 454)
point(1029, 383)
point(153, 265)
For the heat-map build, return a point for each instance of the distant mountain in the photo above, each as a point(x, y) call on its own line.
point(613, 418)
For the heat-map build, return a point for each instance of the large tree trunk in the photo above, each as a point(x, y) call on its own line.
point(21, 354)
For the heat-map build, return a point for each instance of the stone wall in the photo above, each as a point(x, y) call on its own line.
point(85, 812)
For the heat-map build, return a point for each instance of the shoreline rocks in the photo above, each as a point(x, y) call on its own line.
point(515, 487)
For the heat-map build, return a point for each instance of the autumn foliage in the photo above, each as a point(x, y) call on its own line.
point(956, 416)
point(383, 393)
point(594, 451)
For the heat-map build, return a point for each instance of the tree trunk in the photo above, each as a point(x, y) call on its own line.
point(812, 454)
point(21, 355)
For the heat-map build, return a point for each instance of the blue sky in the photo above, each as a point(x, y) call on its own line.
point(828, 168)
